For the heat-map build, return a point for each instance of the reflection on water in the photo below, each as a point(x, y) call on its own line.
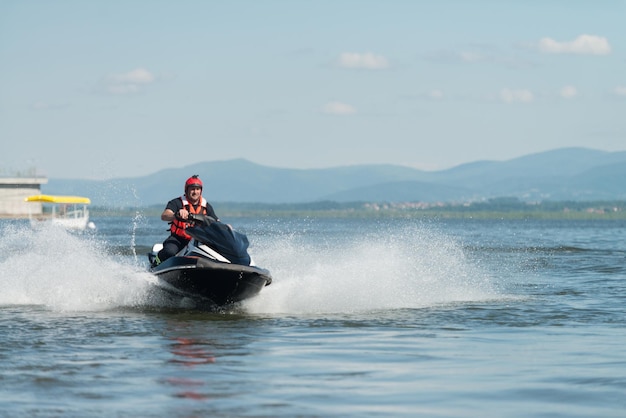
point(190, 359)
point(198, 346)
point(189, 353)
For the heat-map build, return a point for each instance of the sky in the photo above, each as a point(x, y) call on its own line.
point(113, 89)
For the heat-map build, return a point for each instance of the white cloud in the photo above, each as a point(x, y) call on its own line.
point(435, 94)
point(569, 92)
point(137, 76)
point(338, 108)
point(130, 82)
point(511, 96)
point(620, 90)
point(583, 44)
point(468, 56)
point(367, 60)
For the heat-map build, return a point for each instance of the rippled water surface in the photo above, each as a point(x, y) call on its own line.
point(449, 318)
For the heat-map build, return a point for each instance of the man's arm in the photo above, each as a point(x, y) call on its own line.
point(167, 215)
point(174, 206)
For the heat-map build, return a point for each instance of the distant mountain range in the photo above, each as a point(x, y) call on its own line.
point(562, 174)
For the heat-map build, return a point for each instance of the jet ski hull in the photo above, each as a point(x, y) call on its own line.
point(220, 284)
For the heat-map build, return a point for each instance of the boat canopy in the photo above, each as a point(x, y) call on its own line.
point(58, 199)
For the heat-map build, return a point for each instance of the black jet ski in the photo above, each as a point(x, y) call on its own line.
point(214, 267)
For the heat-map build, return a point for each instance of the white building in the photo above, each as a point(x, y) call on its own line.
point(13, 191)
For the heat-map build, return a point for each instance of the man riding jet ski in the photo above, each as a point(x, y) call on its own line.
point(213, 265)
point(176, 214)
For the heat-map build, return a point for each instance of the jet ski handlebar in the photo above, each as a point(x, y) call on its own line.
point(200, 219)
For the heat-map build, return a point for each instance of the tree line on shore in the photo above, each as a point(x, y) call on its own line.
point(497, 207)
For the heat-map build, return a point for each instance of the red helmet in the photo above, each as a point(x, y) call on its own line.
point(193, 181)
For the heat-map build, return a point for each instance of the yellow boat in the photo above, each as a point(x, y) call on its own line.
point(68, 211)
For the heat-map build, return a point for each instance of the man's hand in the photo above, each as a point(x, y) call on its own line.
point(182, 214)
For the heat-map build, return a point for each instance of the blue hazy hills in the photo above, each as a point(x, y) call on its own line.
point(563, 174)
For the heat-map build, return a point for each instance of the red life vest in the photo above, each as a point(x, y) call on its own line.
point(178, 227)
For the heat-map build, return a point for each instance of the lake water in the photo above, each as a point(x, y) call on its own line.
point(365, 318)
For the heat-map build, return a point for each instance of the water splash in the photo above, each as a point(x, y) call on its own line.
point(393, 268)
point(137, 220)
point(389, 268)
point(63, 271)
